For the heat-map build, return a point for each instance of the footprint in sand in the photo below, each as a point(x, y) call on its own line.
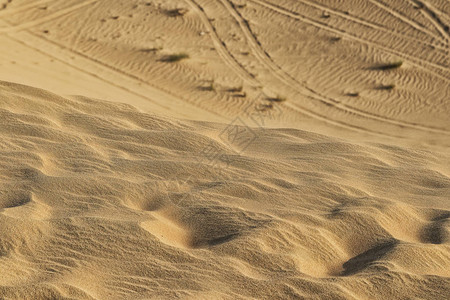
point(168, 230)
point(21, 205)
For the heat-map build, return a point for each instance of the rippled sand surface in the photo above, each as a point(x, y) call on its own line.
point(241, 150)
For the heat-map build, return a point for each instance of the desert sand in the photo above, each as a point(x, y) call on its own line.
point(224, 149)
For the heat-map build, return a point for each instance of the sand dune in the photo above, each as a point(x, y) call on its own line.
point(99, 201)
point(243, 149)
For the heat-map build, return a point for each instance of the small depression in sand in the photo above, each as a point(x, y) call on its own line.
point(168, 230)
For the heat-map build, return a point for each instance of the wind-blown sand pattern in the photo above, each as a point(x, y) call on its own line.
point(100, 200)
point(253, 149)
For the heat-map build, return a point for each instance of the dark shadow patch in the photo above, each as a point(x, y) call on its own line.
point(174, 57)
point(11, 199)
point(367, 258)
point(385, 87)
point(277, 99)
point(150, 50)
point(436, 233)
point(387, 66)
point(176, 12)
point(215, 241)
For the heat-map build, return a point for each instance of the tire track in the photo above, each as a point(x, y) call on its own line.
point(21, 8)
point(326, 119)
point(229, 59)
point(315, 115)
point(431, 14)
point(288, 80)
point(219, 44)
point(246, 76)
point(47, 18)
point(404, 18)
point(155, 90)
point(412, 60)
point(60, 13)
point(368, 23)
point(289, 106)
point(78, 68)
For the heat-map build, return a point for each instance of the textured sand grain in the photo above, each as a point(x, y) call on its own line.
point(299, 150)
point(99, 200)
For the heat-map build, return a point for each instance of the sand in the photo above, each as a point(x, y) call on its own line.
point(201, 149)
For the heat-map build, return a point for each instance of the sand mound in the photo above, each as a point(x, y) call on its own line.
point(101, 201)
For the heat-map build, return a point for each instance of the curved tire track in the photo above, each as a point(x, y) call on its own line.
point(368, 23)
point(287, 79)
point(50, 17)
point(220, 46)
point(166, 94)
point(403, 18)
point(229, 59)
point(431, 14)
point(414, 61)
point(11, 11)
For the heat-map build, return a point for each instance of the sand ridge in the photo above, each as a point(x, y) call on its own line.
point(123, 197)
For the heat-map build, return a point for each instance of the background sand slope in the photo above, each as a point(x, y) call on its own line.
point(326, 58)
point(101, 201)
